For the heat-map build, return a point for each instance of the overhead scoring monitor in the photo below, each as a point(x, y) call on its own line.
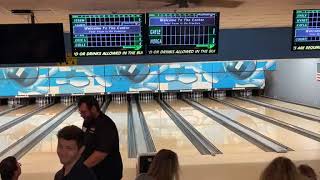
point(306, 30)
point(107, 34)
point(182, 33)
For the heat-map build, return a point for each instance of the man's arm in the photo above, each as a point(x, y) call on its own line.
point(95, 158)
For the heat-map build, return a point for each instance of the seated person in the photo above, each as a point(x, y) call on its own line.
point(10, 168)
point(70, 147)
point(164, 166)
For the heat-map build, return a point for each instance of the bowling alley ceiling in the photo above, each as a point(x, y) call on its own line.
point(234, 13)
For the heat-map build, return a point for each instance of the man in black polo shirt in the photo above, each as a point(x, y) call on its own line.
point(102, 153)
point(70, 148)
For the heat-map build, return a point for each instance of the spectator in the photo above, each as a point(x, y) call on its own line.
point(281, 168)
point(10, 168)
point(70, 148)
point(164, 166)
point(307, 171)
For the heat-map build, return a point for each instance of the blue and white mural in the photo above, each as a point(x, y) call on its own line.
point(60, 80)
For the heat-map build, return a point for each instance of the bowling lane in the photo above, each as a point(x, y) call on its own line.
point(43, 158)
point(224, 139)
point(4, 107)
point(22, 111)
point(294, 120)
point(119, 114)
point(164, 132)
point(18, 131)
point(284, 136)
point(14, 114)
point(292, 106)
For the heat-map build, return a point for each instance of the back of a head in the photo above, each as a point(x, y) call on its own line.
point(90, 101)
point(281, 168)
point(164, 166)
point(8, 166)
point(307, 171)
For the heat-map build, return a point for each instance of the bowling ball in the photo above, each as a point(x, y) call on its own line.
point(23, 76)
point(135, 72)
point(240, 69)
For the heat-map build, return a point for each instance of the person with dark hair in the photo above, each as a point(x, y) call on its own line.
point(164, 166)
point(102, 153)
point(281, 168)
point(307, 171)
point(10, 168)
point(69, 150)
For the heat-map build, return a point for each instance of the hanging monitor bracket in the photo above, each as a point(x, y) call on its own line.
point(25, 12)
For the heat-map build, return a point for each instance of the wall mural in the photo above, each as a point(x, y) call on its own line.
point(62, 80)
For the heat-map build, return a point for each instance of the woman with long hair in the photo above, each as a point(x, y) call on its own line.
point(281, 168)
point(164, 166)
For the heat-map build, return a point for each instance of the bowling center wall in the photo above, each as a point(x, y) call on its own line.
point(237, 45)
point(234, 44)
point(295, 80)
point(289, 82)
